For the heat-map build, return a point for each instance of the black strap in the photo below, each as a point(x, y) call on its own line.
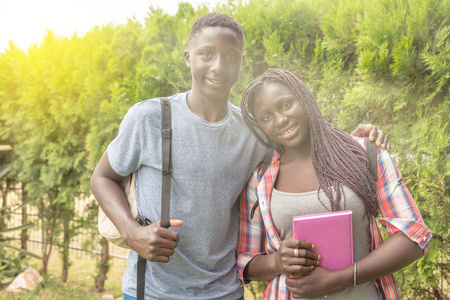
point(371, 150)
point(166, 171)
point(266, 163)
point(166, 133)
point(140, 281)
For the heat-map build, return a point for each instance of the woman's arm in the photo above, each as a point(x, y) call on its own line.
point(253, 261)
point(409, 239)
point(396, 253)
point(266, 267)
point(251, 237)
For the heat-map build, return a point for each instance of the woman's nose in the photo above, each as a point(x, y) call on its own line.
point(280, 119)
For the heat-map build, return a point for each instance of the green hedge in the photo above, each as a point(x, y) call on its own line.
point(384, 62)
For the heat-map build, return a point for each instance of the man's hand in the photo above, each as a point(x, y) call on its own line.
point(369, 130)
point(153, 242)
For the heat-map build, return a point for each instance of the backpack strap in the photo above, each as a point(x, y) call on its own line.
point(265, 164)
point(166, 171)
point(371, 150)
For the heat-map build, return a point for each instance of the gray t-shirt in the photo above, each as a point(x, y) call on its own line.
point(211, 164)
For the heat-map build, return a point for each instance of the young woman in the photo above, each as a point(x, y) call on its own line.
point(318, 168)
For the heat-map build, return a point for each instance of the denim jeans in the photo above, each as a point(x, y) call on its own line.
point(126, 297)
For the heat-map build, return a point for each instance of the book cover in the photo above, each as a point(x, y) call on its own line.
point(332, 235)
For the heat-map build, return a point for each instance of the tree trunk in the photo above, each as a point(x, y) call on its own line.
point(103, 267)
point(46, 252)
point(24, 234)
point(4, 202)
point(437, 295)
point(46, 245)
point(65, 253)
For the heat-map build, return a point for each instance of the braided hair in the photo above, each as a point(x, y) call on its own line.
point(337, 158)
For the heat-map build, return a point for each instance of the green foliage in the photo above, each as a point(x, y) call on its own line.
point(11, 264)
point(51, 289)
point(382, 62)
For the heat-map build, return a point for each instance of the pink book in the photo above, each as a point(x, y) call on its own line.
point(331, 233)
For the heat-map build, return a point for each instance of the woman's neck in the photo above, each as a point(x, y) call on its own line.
point(301, 153)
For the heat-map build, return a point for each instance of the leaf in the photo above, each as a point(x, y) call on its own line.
point(22, 227)
point(20, 250)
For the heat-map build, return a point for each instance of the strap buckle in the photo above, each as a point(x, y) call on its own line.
point(144, 221)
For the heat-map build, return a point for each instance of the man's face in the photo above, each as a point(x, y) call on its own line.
point(215, 58)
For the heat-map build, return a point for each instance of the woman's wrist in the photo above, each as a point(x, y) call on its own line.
point(345, 277)
point(275, 263)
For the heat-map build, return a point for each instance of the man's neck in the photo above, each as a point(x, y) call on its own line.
point(210, 110)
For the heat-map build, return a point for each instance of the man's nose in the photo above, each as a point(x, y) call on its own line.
point(218, 64)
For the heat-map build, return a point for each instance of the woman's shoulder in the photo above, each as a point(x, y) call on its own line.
point(360, 140)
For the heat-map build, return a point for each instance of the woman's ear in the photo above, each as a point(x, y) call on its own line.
point(187, 58)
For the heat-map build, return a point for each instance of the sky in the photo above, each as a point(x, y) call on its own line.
point(24, 22)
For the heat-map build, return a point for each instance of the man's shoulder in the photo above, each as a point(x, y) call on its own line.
point(150, 107)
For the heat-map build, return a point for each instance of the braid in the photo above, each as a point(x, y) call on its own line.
point(337, 158)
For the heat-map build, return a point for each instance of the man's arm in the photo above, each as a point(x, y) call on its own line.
point(152, 242)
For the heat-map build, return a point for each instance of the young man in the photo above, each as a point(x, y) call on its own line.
point(213, 155)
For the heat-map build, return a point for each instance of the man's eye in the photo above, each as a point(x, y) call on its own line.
point(231, 57)
point(206, 54)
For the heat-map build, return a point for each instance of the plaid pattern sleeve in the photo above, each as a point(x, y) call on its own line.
point(251, 236)
point(399, 214)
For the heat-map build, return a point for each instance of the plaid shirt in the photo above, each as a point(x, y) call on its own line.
point(399, 214)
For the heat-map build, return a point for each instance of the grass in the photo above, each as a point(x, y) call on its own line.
point(81, 279)
point(52, 289)
point(80, 283)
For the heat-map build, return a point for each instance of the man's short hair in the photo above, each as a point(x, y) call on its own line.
point(216, 19)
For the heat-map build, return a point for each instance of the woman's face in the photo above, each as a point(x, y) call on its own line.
point(281, 116)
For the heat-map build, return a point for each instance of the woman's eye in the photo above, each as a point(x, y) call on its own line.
point(286, 105)
point(206, 54)
point(266, 118)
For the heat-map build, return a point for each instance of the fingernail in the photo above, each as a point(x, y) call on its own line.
point(319, 257)
point(313, 268)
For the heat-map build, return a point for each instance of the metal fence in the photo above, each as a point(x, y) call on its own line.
point(84, 244)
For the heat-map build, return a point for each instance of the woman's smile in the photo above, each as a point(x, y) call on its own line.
point(289, 132)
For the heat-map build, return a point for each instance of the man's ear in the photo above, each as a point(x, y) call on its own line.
point(187, 58)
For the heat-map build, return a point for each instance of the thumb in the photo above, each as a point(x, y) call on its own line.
point(175, 222)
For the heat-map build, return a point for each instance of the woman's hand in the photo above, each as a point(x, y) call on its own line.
point(295, 257)
point(318, 283)
point(265, 267)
